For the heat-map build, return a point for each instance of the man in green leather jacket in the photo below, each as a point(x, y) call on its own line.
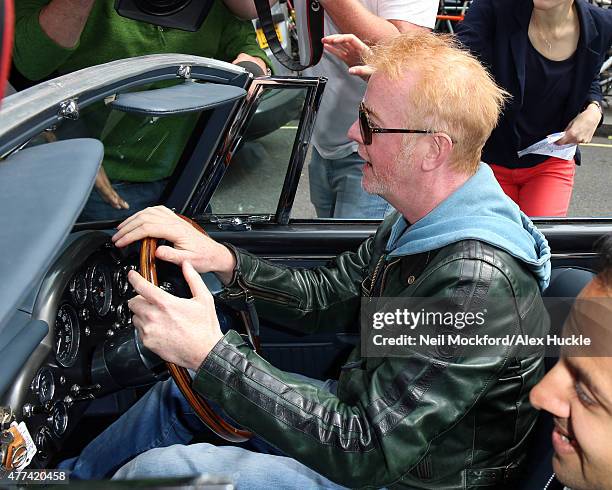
point(417, 421)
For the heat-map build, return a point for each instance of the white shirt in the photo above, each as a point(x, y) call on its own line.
point(344, 91)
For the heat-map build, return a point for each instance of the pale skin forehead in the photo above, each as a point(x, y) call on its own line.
point(592, 312)
point(385, 97)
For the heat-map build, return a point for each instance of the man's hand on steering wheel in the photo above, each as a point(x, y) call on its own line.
point(180, 331)
point(203, 252)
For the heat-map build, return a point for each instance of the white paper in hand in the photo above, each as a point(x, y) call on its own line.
point(547, 147)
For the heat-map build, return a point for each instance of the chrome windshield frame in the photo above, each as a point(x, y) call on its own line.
point(31, 111)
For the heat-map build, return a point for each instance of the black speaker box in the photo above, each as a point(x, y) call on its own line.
point(187, 15)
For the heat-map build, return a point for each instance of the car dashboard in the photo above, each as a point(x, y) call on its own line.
point(83, 298)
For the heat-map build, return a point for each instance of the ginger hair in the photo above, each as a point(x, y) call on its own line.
point(452, 93)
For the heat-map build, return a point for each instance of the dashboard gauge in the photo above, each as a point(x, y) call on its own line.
point(58, 419)
point(42, 439)
point(121, 281)
point(100, 286)
point(124, 315)
point(78, 289)
point(43, 385)
point(67, 335)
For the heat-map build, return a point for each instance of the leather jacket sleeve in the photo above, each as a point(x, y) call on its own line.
point(378, 428)
point(303, 299)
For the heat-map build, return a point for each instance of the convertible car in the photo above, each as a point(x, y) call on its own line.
point(70, 362)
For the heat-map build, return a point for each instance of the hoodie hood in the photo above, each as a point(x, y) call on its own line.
point(478, 210)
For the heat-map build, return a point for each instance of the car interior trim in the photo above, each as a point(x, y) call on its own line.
point(13, 356)
point(188, 96)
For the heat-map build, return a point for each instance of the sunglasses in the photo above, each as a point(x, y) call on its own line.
point(367, 130)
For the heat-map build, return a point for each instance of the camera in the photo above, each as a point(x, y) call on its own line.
point(187, 15)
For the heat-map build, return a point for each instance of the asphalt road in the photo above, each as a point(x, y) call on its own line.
point(593, 186)
point(253, 184)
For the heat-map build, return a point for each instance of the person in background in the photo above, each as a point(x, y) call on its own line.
point(61, 36)
point(577, 391)
point(547, 54)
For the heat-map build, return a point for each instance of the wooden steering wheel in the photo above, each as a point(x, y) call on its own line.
point(180, 375)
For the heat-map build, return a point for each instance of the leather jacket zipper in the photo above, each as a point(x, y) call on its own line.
point(384, 276)
point(375, 273)
point(379, 267)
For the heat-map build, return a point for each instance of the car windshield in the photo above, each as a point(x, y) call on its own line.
point(145, 155)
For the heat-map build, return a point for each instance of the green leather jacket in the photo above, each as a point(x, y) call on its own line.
point(417, 422)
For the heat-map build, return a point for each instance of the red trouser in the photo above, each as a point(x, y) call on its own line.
point(543, 190)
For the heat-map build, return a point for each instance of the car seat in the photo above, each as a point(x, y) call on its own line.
point(565, 282)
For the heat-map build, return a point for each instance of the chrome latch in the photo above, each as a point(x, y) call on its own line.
point(184, 71)
point(69, 109)
point(238, 223)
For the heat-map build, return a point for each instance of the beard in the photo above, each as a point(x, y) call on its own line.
point(375, 184)
point(386, 181)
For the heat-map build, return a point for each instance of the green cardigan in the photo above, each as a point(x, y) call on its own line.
point(136, 149)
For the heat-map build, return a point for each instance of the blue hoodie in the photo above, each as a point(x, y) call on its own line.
point(478, 210)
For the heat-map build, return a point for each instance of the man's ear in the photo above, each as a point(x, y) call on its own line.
point(438, 151)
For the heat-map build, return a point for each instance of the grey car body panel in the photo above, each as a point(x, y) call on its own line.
point(27, 113)
point(38, 212)
point(50, 94)
point(18, 348)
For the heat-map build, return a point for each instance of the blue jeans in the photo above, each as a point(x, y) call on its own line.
point(336, 192)
point(139, 195)
point(246, 469)
point(151, 436)
point(160, 418)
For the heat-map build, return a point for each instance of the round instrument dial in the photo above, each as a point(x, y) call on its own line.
point(42, 439)
point(78, 289)
point(43, 385)
point(100, 286)
point(67, 335)
point(121, 281)
point(58, 419)
point(124, 315)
